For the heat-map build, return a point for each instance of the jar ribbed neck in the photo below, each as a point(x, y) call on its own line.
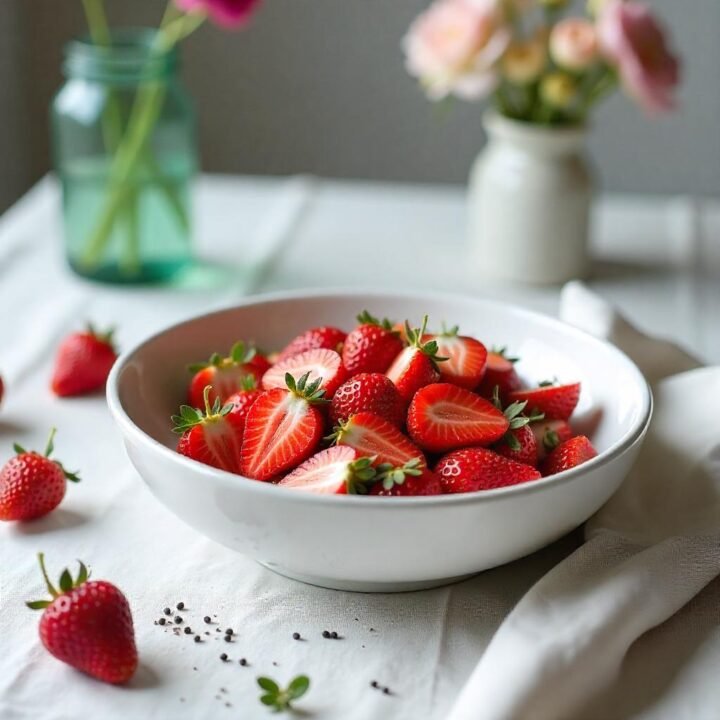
point(128, 60)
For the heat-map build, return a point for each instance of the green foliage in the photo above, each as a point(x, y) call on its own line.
point(277, 698)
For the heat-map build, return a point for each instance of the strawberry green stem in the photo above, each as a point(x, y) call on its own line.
point(50, 587)
point(50, 445)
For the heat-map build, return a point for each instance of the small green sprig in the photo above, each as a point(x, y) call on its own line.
point(281, 700)
point(365, 318)
point(415, 339)
point(390, 476)
point(50, 447)
point(502, 352)
point(240, 354)
point(515, 417)
point(189, 417)
point(310, 391)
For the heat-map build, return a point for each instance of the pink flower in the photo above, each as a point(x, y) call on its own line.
point(573, 44)
point(632, 40)
point(454, 45)
point(227, 13)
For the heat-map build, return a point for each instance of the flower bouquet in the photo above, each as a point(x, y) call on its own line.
point(545, 69)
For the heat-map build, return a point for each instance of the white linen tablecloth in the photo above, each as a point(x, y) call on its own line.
point(424, 645)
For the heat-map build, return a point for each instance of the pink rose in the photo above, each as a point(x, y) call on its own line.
point(227, 13)
point(631, 39)
point(573, 44)
point(454, 45)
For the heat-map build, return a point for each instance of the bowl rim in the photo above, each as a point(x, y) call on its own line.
point(129, 428)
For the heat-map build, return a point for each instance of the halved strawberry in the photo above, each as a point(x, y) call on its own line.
point(417, 365)
point(241, 402)
point(473, 469)
point(499, 372)
point(549, 434)
point(556, 402)
point(224, 375)
point(368, 392)
point(570, 454)
point(466, 358)
point(330, 338)
point(372, 436)
point(322, 364)
point(371, 346)
point(443, 416)
point(336, 470)
point(283, 428)
point(209, 437)
point(410, 479)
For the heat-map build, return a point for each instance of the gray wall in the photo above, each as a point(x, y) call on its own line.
point(318, 86)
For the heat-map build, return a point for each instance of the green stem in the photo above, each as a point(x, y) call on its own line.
point(50, 587)
point(145, 112)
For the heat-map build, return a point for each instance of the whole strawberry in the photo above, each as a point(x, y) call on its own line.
point(83, 363)
point(412, 478)
point(368, 392)
point(88, 625)
point(325, 337)
point(371, 346)
point(568, 455)
point(32, 485)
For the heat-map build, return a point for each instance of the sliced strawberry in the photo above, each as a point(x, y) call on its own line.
point(323, 365)
point(241, 402)
point(466, 358)
point(410, 479)
point(372, 436)
point(283, 428)
point(473, 469)
point(443, 416)
point(368, 392)
point(327, 337)
point(556, 402)
point(499, 372)
point(549, 434)
point(209, 436)
point(417, 365)
point(372, 346)
point(224, 375)
point(568, 455)
point(336, 470)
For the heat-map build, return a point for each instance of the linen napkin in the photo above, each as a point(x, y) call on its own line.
point(648, 552)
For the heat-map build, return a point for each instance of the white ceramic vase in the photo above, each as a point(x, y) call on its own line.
point(529, 202)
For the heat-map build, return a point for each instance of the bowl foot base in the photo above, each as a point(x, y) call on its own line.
point(365, 586)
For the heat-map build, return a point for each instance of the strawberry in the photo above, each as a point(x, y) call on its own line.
point(466, 358)
point(283, 427)
point(519, 442)
point(443, 417)
point(371, 346)
point(209, 437)
point(568, 455)
point(549, 434)
point(409, 479)
point(325, 337)
point(241, 402)
point(371, 392)
point(336, 470)
point(500, 372)
point(556, 402)
point(88, 625)
point(322, 365)
point(224, 375)
point(373, 436)
point(83, 363)
point(417, 365)
point(474, 469)
point(32, 485)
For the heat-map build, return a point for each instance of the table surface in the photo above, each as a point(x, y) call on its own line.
point(655, 259)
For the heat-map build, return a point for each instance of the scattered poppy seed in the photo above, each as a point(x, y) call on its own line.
point(243, 662)
point(206, 632)
point(229, 631)
point(325, 633)
point(161, 621)
point(228, 638)
point(334, 635)
point(224, 657)
point(198, 638)
point(194, 668)
point(180, 606)
point(182, 699)
point(227, 704)
point(275, 664)
point(167, 611)
point(386, 691)
point(374, 683)
point(223, 690)
point(372, 629)
point(178, 619)
point(188, 630)
point(207, 619)
point(296, 636)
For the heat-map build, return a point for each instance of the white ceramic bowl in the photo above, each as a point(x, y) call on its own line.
point(368, 543)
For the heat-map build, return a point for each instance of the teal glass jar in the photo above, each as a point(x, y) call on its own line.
point(124, 150)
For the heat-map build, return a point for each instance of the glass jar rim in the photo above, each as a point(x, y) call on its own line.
point(129, 58)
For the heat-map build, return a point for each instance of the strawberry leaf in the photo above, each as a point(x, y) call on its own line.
point(298, 687)
point(268, 684)
point(66, 583)
point(82, 575)
point(38, 604)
